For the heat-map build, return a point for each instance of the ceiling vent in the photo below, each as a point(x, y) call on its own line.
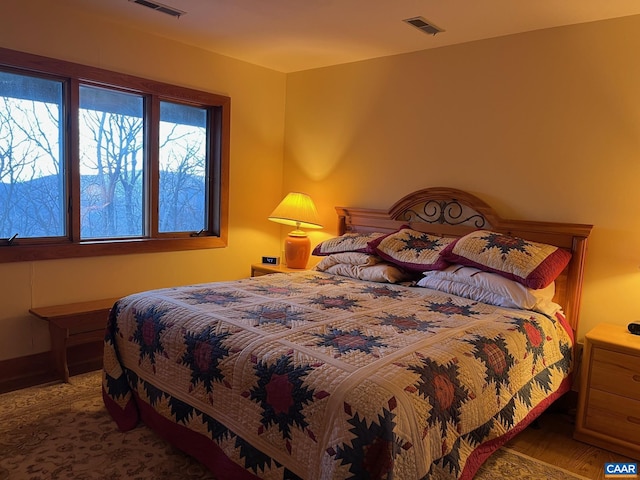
point(174, 12)
point(424, 25)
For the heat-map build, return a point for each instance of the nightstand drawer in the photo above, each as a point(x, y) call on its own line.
point(613, 415)
point(616, 373)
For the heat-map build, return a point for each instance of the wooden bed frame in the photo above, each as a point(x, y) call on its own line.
point(452, 213)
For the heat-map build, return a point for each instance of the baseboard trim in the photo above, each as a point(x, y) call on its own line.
point(37, 369)
point(23, 372)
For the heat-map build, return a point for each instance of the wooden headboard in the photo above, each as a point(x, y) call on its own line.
point(452, 213)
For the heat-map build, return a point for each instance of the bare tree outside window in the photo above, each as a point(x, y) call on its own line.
point(183, 168)
point(31, 166)
point(111, 164)
point(94, 162)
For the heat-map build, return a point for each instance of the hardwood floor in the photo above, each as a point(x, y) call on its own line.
point(550, 440)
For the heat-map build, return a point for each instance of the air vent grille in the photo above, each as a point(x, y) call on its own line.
point(424, 25)
point(174, 12)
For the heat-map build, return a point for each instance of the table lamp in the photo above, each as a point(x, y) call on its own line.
point(298, 210)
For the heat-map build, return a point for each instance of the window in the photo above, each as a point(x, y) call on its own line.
point(97, 163)
point(32, 200)
point(112, 166)
point(183, 170)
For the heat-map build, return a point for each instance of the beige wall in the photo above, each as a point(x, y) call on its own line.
point(542, 125)
point(257, 96)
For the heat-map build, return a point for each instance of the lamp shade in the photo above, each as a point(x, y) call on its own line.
point(296, 209)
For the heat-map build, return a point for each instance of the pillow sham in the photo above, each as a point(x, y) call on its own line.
point(413, 250)
point(486, 287)
point(362, 267)
point(535, 265)
point(349, 242)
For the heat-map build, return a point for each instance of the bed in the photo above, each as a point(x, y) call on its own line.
point(402, 356)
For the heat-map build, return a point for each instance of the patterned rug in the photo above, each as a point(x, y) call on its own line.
point(62, 431)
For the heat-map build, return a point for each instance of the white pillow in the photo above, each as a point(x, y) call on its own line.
point(490, 288)
point(361, 266)
point(382, 272)
point(349, 258)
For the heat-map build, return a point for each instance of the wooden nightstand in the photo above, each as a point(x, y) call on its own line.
point(258, 269)
point(609, 402)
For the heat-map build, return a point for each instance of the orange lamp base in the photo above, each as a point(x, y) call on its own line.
point(296, 251)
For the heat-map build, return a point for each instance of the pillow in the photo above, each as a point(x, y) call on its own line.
point(350, 258)
point(382, 272)
point(413, 250)
point(361, 266)
point(485, 287)
point(349, 242)
point(535, 265)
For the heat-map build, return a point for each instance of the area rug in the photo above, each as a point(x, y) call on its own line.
point(62, 431)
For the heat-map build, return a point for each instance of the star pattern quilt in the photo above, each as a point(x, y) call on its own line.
point(315, 376)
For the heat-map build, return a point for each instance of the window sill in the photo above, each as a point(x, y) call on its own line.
point(27, 253)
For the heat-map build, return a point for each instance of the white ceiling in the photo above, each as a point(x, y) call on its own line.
point(294, 35)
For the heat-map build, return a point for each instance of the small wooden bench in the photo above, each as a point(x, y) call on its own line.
point(74, 324)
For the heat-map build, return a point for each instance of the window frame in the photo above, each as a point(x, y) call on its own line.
point(71, 246)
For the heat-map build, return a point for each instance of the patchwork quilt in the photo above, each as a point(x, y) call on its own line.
point(314, 376)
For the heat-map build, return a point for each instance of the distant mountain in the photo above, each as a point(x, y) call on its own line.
point(37, 208)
